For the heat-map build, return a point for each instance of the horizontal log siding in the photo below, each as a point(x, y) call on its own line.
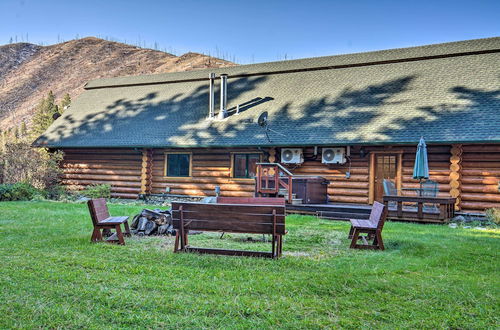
point(480, 177)
point(439, 168)
point(210, 168)
point(120, 168)
point(355, 189)
point(340, 189)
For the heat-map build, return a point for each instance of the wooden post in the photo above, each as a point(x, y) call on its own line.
point(290, 192)
point(420, 213)
point(181, 227)
point(272, 155)
point(274, 234)
point(456, 174)
point(144, 167)
point(399, 172)
point(371, 179)
point(258, 179)
point(146, 171)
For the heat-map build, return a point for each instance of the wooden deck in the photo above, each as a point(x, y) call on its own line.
point(339, 211)
point(332, 211)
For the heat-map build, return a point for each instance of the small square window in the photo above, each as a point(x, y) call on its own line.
point(178, 165)
point(245, 165)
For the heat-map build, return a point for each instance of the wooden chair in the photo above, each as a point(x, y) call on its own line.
point(390, 190)
point(372, 227)
point(103, 221)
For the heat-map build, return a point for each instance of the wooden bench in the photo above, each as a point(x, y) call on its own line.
point(372, 227)
point(232, 218)
point(443, 212)
point(103, 221)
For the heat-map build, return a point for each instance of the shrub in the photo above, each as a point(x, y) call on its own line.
point(56, 192)
point(18, 191)
point(493, 215)
point(97, 191)
point(22, 163)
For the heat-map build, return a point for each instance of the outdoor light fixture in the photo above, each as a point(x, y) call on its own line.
point(217, 191)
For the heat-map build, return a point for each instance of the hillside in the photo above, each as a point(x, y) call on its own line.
point(28, 72)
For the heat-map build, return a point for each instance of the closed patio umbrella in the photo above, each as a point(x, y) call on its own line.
point(421, 168)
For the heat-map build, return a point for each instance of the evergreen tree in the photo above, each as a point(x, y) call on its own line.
point(44, 115)
point(66, 101)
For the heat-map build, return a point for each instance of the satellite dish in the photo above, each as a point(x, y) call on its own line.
point(264, 123)
point(262, 120)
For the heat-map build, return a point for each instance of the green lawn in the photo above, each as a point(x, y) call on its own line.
point(429, 277)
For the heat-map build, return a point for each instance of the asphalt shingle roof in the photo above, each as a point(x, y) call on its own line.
point(445, 92)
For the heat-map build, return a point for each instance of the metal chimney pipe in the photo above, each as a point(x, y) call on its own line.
point(223, 96)
point(211, 96)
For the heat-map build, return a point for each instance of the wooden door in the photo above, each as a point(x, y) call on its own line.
point(386, 167)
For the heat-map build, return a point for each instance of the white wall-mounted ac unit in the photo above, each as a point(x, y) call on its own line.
point(333, 156)
point(292, 156)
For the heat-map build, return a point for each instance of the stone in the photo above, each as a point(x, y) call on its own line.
point(458, 218)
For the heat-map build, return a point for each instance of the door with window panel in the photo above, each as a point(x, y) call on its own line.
point(386, 167)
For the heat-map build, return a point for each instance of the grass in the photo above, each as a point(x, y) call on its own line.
point(430, 276)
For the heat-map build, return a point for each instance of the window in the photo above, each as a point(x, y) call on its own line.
point(178, 165)
point(245, 165)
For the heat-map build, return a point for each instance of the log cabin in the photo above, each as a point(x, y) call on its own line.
point(187, 133)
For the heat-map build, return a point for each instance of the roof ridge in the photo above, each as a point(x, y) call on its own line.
point(395, 55)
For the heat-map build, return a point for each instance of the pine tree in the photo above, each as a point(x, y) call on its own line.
point(65, 102)
point(44, 115)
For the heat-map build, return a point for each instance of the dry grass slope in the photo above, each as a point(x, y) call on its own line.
point(28, 72)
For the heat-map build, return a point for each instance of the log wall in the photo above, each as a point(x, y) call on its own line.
point(210, 168)
point(340, 189)
point(473, 172)
point(480, 177)
point(356, 188)
point(120, 168)
point(439, 168)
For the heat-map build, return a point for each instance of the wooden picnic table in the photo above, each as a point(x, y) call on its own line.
point(444, 208)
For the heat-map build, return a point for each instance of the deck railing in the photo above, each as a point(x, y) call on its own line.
point(271, 177)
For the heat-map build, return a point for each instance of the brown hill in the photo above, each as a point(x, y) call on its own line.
point(28, 72)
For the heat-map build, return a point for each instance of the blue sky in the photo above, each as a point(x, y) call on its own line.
point(252, 31)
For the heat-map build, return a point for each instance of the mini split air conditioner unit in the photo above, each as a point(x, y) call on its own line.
point(333, 156)
point(292, 156)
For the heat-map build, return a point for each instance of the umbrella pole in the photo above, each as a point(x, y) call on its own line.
point(420, 191)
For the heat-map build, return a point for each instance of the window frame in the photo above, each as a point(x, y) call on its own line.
point(233, 163)
point(165, 169)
